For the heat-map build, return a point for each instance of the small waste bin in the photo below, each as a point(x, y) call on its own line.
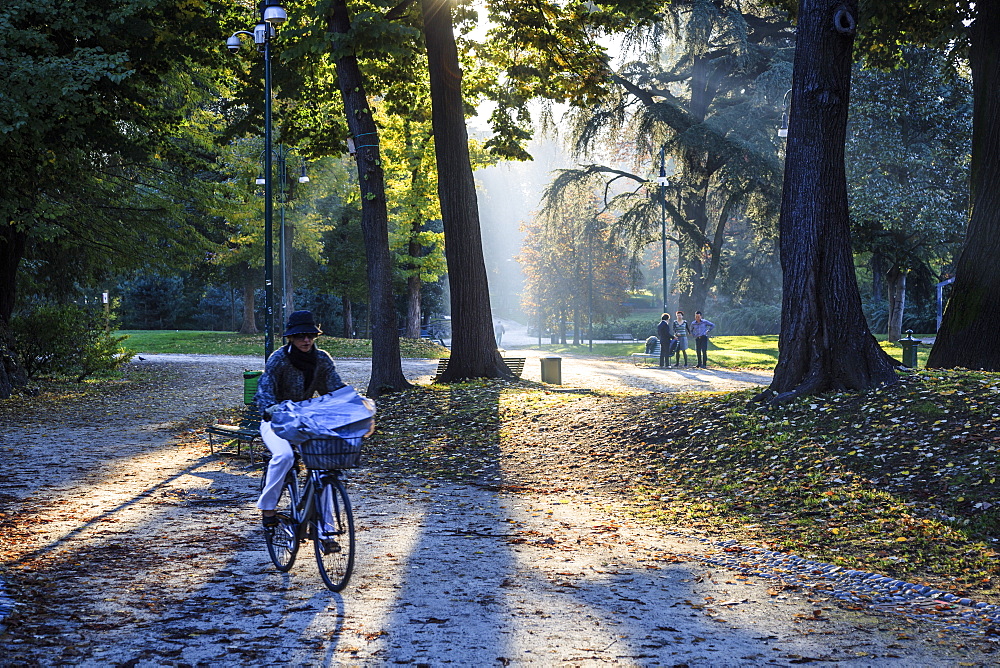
point(250, 380)
point(909, 345)
point(552, 370)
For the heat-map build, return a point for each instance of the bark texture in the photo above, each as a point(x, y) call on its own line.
point(348, 318)
point(897, 302)
point(387, 369)
point(413, 284)
point(474, 350)
point(825, 343)
point(969, 336)
point(12, 247)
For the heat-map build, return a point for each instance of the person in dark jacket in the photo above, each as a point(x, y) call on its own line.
point(297, 371)
point(665, 333)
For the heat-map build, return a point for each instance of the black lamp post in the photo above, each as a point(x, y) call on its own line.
point(662, 180)
point(272, 15)
point(285, 194)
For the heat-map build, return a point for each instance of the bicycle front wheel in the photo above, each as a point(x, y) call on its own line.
point(333, 534)
point(283, 540)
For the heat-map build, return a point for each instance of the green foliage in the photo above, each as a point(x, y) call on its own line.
point(66, 340)
point(908, 155)
point(95, 155)
point(762, 319)
point(721, 156)
point(226, 343)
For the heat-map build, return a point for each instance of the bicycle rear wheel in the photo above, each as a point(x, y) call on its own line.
point(333, 534)
point(283, 540)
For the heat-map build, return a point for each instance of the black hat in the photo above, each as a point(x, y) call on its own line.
point(301, 322)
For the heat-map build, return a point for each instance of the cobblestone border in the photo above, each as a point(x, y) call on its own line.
point(861, 588)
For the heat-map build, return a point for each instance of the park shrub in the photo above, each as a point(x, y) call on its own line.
point(66, 340)
point(757, 320)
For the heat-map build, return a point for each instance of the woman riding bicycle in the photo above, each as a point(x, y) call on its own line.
point(296, 371)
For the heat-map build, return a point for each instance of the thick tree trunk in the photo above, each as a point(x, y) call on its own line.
point(897, 302)
point(969, 336)
point(825, 343)
point(12, 245)
point(387, 367)
point(473, 343)
point(878, 278)
point(249, 326)
point(348, 318)
point(413, 284)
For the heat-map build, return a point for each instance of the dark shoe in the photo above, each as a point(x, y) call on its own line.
point(269, 521)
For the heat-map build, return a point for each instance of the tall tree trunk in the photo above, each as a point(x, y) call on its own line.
point(12, 246)
point(897, 302)
point(249, 326)
point(969, 336)
point(348, 317)
point(413, 284)
point(387, 367)
point(878, 278)
point(473, 343)
point(825, 343)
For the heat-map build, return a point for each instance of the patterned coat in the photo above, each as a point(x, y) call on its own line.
point(282, 381)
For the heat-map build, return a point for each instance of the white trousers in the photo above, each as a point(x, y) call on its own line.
point(282, 459)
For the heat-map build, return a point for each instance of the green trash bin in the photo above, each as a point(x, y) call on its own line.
point(552, 370)
point(910, 345)
point(250, 380)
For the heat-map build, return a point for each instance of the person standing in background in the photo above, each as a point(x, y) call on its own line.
point(681, 336)
point(700, 330)
point(664, 332)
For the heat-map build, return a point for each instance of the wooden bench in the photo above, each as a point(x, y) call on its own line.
point(515, 364)
point(638, 358)
point(247, 431)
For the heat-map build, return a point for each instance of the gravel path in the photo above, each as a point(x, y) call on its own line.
point(125, 542)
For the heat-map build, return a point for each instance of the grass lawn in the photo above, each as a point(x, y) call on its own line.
point(229, 343)
point(737, 352)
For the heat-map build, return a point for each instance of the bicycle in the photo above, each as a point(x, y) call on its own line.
point(320, 511)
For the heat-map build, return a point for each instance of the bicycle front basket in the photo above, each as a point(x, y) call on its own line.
point(325, 454)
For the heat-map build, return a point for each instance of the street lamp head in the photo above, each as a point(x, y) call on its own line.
point(260, 180)
point(262, 32)
point(233, 43)
point(303, 177)
point(783, 130)
point(272, 12)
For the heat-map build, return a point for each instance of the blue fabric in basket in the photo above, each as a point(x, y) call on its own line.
point(343, 413)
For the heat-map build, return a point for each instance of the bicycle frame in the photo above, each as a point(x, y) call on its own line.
point(327, 521)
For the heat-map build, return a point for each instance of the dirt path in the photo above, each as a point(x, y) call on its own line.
point(124, 542)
